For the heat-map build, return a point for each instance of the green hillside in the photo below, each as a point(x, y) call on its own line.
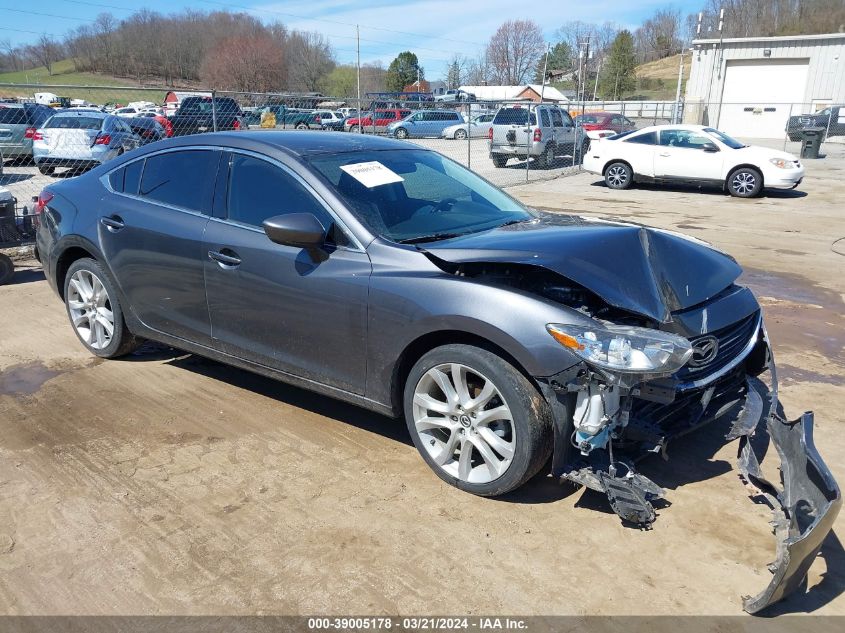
point(65, 74)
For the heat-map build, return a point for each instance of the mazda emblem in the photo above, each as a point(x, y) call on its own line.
point(704, 350)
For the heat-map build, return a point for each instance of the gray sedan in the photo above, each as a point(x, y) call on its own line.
point(388, 276)
point(80, 139)
point(478, 127)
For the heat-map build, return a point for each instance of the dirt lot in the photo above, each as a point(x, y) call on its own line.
point(166, 483)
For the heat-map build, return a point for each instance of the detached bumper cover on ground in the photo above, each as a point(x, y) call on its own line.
point(804, 511)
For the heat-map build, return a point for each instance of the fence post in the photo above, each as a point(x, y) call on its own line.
point(469, 134)
point(528, 142)
point(214, 110)
point(786, 133)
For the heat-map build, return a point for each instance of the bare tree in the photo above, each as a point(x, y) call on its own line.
point(310, 58)
point(248, 64)
point(46, 52)
point(659, 36)
point(513, 51)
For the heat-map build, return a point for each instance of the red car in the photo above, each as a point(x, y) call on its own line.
point(383, 118)
point(604, 121)
point(163, 121)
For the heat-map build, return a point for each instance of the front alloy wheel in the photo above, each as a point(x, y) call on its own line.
point(464, 423)
point(402, 133)
point(477, 421)
point(745, 182)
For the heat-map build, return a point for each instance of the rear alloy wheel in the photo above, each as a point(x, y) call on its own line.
point(46, 170)
point(301, 126)
point(476, 420)
point(460, 134)
point(745, 182)
point(401, 133)
point(618, 176)
point(94, 311)
point(499, 161)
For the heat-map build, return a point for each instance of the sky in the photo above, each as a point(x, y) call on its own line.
point(433, 29)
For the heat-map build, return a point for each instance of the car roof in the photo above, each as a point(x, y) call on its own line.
point(81, 112)
point(294, 143)
point(680, 126)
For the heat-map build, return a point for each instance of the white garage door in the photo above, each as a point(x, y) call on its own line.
point(758, 94)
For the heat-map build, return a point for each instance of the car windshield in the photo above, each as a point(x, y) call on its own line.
point(514, 116)
point(416, 195)
point(727, 140)
point(74, 123)
point(586, 118)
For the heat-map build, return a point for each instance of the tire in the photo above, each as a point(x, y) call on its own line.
point(499, 161)
point(460, 134)
point(618, 176)
point(401, 133)
point(7, 269)
point(547, 158)
point(301, 126)
point(355, 129)
point(86, 277)
point(522, 444)
point(745, 182)
point(46, 170)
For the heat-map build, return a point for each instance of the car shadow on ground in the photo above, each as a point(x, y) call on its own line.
point(26, 276)
point(10, 179)
point(291, 395)
point(680, 188)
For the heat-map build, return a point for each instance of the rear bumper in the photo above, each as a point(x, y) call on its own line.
point(14, 150)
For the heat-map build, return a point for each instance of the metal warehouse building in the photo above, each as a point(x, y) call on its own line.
point(750, 86)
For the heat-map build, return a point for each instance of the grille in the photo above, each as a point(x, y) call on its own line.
point(732, 340)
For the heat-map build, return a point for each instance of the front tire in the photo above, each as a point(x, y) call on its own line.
point(745, 182)
point(460, 134)
point(476, 420)
point(95, 312)
point(547, 158)
point(7, 269)
point(618, 176)
point(401, 133)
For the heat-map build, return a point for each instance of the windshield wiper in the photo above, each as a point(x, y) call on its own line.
point(434, 237)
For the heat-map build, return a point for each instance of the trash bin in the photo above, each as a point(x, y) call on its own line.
point(811, 141)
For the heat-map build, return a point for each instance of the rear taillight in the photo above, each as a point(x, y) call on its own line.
point(104, 139)
point(317, 119)
point(490, 133)
point(538, 135)
point(30, 133)
point(36, 135)
point(236, 125)
point(591, 126)
point(41, 203)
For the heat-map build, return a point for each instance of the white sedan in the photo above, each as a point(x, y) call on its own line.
point(478, 127)
point(693, 154)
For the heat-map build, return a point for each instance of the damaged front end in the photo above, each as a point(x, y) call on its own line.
point(606, 422)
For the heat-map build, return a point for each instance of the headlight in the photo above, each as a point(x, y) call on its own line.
point(782, 163)
point(624, 349)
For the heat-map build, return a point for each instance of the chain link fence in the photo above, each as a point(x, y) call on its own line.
point(51, 132)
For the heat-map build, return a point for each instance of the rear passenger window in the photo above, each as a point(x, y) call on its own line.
point(557, 119)
point(649, 138)
point(183, 179)
point(544, 117)
point(133, 177)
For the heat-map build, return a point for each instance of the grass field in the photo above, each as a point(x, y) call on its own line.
point(65, 74)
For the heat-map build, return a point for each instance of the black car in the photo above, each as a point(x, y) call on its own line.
point(386, 275)
point(831, 120)
point(147, 128)
point(206, 114)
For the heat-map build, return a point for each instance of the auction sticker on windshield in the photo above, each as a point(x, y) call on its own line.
point(372, 174)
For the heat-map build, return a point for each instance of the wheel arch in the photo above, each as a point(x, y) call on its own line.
point(740, 166)
point(420, 346)
point(73, 249)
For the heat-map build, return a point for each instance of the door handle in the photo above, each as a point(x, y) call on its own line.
point(225, 257)
point(113, 223)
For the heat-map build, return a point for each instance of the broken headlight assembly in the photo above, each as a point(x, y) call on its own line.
point(624, 349)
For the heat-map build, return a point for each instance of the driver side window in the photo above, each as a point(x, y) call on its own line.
point(258, 190)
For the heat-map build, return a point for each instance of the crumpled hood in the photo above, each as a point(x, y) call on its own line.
point(644, 270)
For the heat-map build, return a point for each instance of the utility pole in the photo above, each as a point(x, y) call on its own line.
point(721, 59)
point(545, 68)
point(676, 117)
point(358, 64)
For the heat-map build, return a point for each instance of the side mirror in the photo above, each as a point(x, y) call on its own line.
point(710, 148)
point(302, 230)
